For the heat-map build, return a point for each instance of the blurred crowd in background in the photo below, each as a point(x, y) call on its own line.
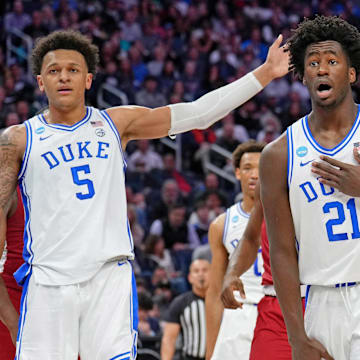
point(155, 52)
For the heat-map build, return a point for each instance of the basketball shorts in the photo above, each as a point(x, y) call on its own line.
point(96, 318)
point(332, 317)
point(270, 337)
point(236, 333)
point(7, 348)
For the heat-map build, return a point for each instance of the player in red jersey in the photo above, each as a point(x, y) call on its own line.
point(270, 339)
point(10, 291)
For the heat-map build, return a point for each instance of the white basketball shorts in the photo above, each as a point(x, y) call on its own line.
point(332, 316)
point(236, 333)
point(96, 318)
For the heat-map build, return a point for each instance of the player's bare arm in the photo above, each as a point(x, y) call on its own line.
point(12, 146)
point(283, 256)
point(168, 341)
point(134, 122)
point(213, 305)
point(243, 257)
point(339, 175)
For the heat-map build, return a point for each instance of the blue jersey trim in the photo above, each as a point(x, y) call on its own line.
point(28, 254)
point(227, 216)
point(134, 318)
point(23, 312)
point(307, 294)
point(27, 149)
point(290, 153)
point(122, 356)
point(108, 119)
point(130, 235)
point(337, 148)
point(68, 127)
point(241, 211)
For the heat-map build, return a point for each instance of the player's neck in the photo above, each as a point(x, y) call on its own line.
point(247, 204)
point(65, 117)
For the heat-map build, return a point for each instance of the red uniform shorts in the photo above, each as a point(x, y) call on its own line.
point(270, 341)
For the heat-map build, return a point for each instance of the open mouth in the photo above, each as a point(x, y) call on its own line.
point(324, 90)
point(64, 91)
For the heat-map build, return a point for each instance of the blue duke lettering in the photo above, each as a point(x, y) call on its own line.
point(80, 150)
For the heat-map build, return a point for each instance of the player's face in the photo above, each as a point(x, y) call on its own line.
point(199, 274)
point(64, 78)
point(248, 172)
point(327, 73)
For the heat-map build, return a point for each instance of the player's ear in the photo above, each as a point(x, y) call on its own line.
point(40, 83)
point(238, 173)
point(304, 81)
point(89, 78)
point(352, 75)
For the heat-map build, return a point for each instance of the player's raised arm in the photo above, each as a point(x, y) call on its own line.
point(138, 122)
point(213, 305)
point(244, 256)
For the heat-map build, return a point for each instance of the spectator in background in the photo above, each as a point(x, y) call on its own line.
point(36, 28)
point(240, 133)
point(137, 231)
point(131, 29)
point(48, 19)
point(177, 234)
point(200, 220)
point(159, 206)
point(156, 65)
point(12, 118)
point(158, 176)
point(149, 95)
point(16, 19)
point(144, 158)
point(23, 111)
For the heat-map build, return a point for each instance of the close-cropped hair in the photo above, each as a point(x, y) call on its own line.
point(323, 28)
point(65, 40)
point(250, 146)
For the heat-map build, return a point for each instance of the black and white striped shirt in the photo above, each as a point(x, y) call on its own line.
point(188, 310)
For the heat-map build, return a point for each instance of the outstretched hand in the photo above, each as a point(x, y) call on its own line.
point(342, 176)
point(278, 58)
point(232, 283)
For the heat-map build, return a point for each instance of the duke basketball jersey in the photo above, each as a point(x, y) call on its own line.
point(72, 185)
point(235, 224)
point(326, 221)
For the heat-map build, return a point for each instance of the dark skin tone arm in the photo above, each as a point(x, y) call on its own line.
point(339, 175)
point(243, 257)
point(12, 148)
point(280, 229)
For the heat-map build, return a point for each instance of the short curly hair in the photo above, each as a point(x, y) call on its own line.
point(323, 28)
point(68, 40)
point(250, 146)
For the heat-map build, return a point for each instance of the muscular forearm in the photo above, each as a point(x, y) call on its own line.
point(214, 312)
point(285, 273)
point(167, 347)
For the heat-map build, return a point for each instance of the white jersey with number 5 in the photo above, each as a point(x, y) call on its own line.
point(235, 224)
point(326, 221)
point(73, 187)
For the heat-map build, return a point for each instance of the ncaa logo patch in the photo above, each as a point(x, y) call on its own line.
point(100, 132)
point(301, 151)
point(40, 130)
point(235, 219)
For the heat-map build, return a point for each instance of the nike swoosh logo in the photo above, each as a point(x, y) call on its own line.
point(46, 137)
point(305, 163)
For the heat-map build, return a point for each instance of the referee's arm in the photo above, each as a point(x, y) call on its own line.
point(168, 342)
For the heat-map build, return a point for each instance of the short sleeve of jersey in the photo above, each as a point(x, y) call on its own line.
point(175, 309)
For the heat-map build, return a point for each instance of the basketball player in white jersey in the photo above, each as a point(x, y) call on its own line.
point(233, 337)
point(79, 293)
point(313, 228)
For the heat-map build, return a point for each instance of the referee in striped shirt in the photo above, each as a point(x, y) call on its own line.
point(187, 315)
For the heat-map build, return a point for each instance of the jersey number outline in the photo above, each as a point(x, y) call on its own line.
point(350, 205)
point(80, 182)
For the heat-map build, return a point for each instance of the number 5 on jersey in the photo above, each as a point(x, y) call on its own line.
point(76, 171)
